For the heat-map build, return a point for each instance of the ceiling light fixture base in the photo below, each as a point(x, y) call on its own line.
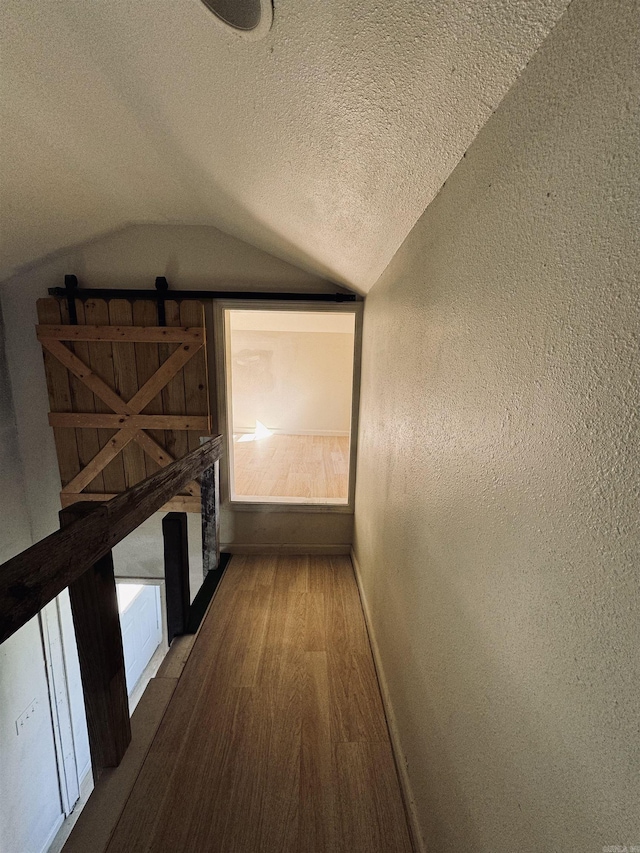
point(249, 19)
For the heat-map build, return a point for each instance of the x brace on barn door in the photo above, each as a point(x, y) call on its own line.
point(127, 416)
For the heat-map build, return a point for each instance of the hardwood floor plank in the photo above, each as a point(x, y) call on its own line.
point(145, 806)
point(297, 466)
point(275, 739)
point(316, 624)
point(60, 399)
point(318, 815)
point(356, 708)
point(371, 818)
point(346, 627)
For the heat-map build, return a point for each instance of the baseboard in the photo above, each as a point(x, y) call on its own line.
point(83, 775)
point(57, 843)
point(401, 765)
point(86, 781)
point(290, 550)
point(55, 829)
point(330, 432)
point(205, 594)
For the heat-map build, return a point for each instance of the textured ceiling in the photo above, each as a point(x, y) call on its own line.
point(322, 143)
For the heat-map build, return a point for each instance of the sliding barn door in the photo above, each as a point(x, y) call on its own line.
point(127, 396)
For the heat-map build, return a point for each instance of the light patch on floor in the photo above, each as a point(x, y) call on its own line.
point(295, 468)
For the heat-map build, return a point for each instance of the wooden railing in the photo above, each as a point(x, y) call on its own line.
point(78, 556)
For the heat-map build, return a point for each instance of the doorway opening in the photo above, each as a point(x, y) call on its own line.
point(290, 378)
point(141, 623)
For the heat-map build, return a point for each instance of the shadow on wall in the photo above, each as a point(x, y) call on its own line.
point(497, 502)
point(488, 742)
point(198, 257)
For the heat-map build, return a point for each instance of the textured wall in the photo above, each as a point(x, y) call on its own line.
point(322, 143)
point(498, 481)
point(196, 257)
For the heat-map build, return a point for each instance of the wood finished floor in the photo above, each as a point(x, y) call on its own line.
point(275, 739)
point(295, 466)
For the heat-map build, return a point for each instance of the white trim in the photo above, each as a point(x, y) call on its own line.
point(221, 347)
point(56, 845)
point(262, 506)
point(277, 431)
point(83, 774)
point(287, 500)
point(55, 829)
point(289, 550)
point(396, 745)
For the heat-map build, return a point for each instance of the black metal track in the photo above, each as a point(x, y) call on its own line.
point(116, 293)
point(204, 595)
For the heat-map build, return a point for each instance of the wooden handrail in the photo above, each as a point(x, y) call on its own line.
point(32, 579)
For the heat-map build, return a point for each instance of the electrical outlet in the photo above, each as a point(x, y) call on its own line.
point(25, 717)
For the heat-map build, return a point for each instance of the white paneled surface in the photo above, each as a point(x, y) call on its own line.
point(141, 622)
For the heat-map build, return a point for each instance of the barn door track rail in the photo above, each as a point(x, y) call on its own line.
point(71, 291)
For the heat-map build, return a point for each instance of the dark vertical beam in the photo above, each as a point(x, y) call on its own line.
point(70, 286)
point(162, 286)
point(32, 579)
point(210, 488)
point(176, 572)
point(94, 606)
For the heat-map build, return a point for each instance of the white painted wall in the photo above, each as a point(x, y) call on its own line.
point(195, 257)
point(30, 808)
point(293, 382)
point(497, 501)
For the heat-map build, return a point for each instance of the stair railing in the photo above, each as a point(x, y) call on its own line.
point(78, 556)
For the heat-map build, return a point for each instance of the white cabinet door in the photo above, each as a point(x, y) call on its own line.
point(141, 626)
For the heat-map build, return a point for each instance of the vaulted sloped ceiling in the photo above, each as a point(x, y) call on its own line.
point(321, 143)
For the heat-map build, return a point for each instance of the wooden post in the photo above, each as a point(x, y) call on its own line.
point(32, 579)
point(94, 606)
point(210, 491)
point(176, 572)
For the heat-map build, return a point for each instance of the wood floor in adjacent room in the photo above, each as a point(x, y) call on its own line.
point(292, 466)
point(275, 740)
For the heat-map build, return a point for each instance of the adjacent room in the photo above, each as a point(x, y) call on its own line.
point(290, 386)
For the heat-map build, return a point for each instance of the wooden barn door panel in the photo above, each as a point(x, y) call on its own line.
point(145, 313)
point(101, 363)
point(115, 383)
point(126, 384)
point(58, 386)
point(83, 400)
point(173, 397)
point(196, 386)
